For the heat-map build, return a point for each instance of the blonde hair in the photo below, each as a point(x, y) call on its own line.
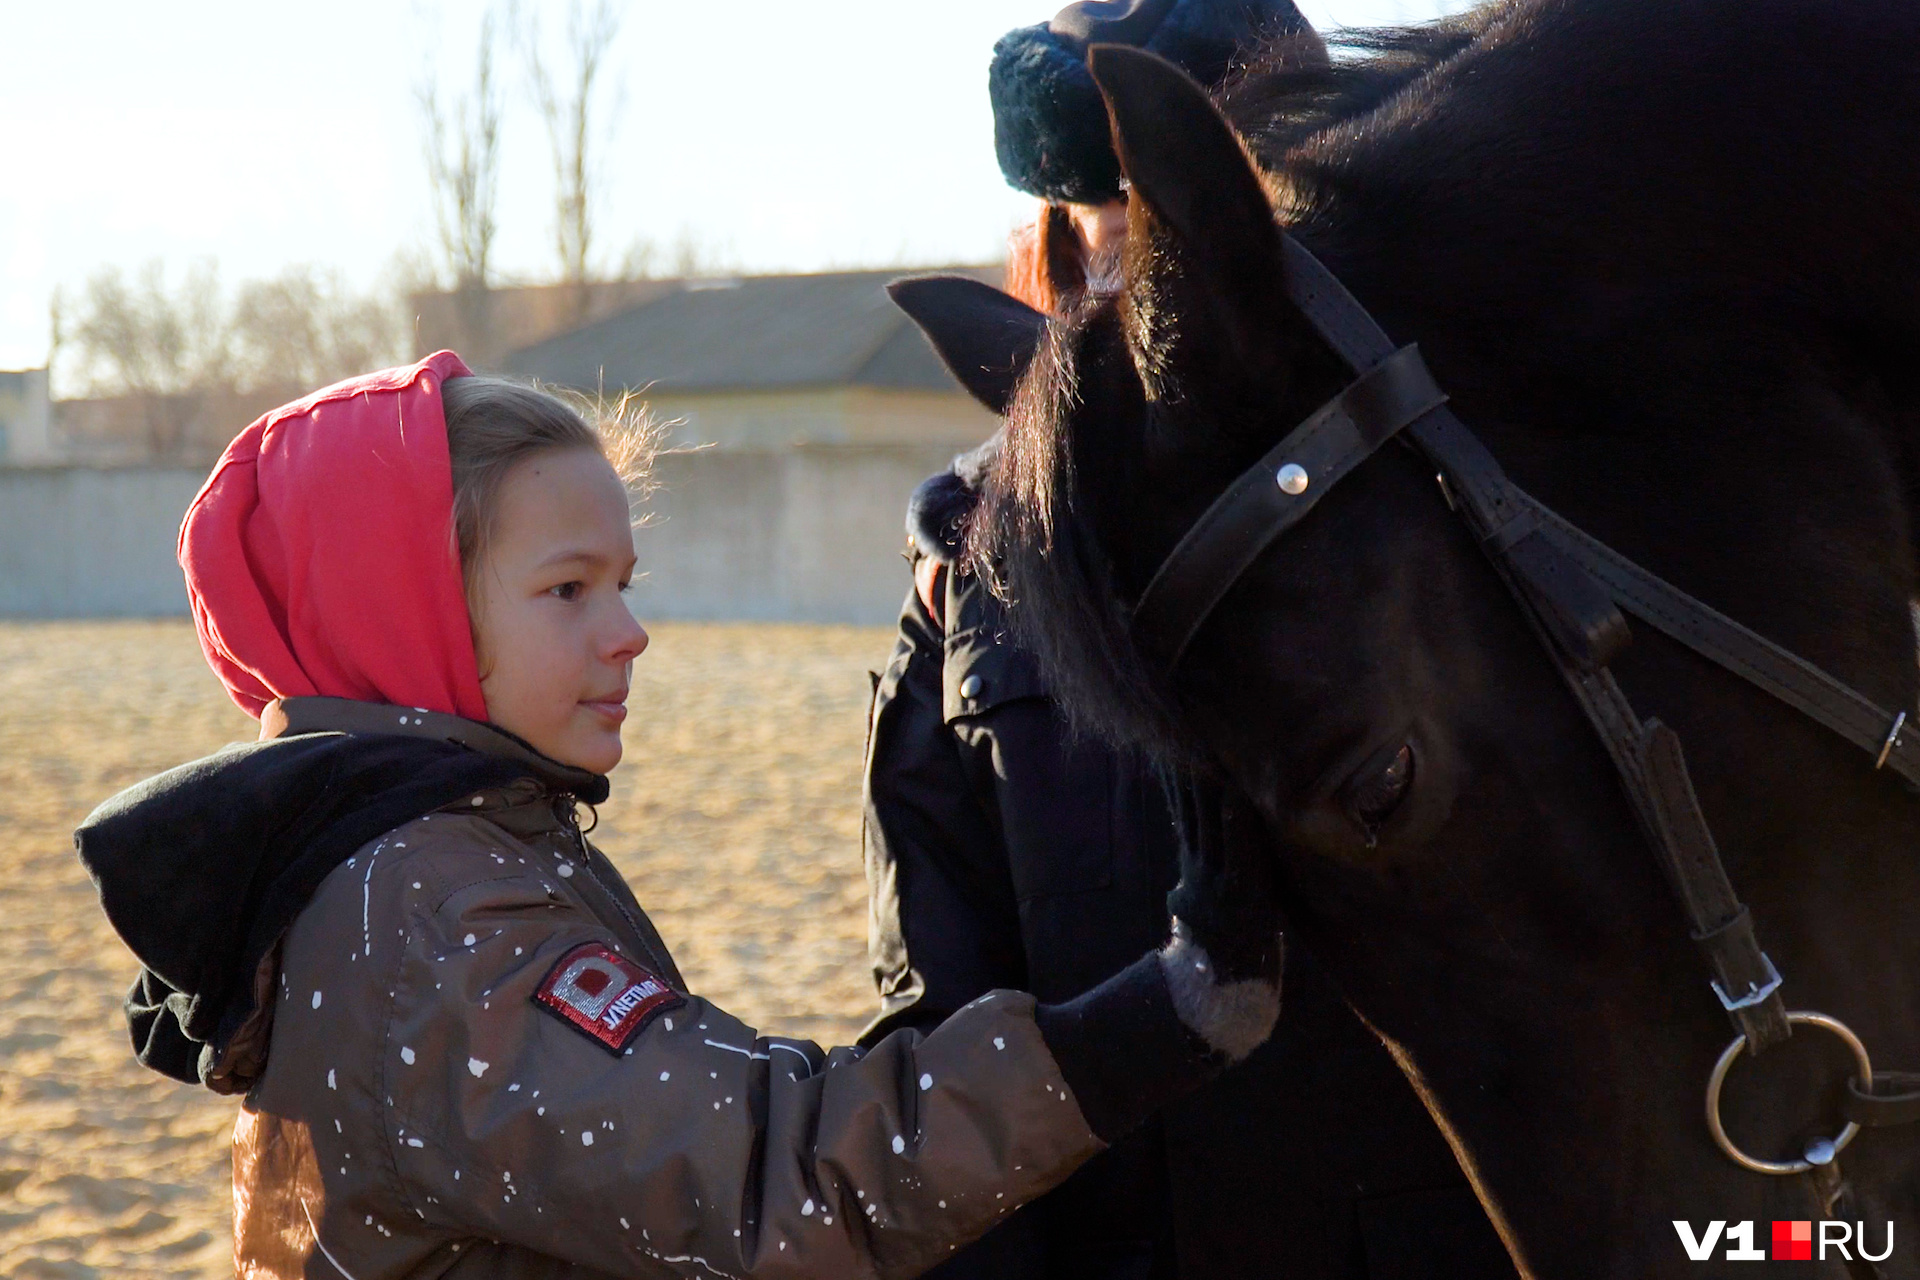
point(495, 423)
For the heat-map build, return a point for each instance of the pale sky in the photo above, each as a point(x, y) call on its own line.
point(265, 134)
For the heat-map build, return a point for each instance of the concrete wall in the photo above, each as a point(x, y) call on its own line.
point(806, 534)
point(26, 418)
point(81, 543)
point(810, 534)
point(821, 416)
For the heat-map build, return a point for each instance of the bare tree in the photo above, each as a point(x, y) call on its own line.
point(180, 356)
point(462, 140)
point(565, 94)
point(167, 348)
point(305, 328)
point(56, 335)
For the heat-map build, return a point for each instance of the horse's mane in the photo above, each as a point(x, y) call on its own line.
point(1280, 99)
point(1031, 537)
point(1032, 534)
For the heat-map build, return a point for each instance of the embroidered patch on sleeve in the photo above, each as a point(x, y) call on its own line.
point(600, 992)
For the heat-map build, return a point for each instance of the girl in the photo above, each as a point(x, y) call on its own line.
point(463, 1048)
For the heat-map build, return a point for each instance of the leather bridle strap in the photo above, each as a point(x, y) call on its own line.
point(1571, 589)
point(1497, 507)
point(1893, 1099)
point(1575, 618)
point(1263, 504)
point(1568, 585)
point(1718, 638)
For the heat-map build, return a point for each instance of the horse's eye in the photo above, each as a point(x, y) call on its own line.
point(1377, 788)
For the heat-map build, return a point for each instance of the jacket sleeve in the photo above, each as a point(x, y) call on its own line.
point(943, 921)
point(706, 1147)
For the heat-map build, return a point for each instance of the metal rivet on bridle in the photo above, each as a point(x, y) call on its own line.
point(1292, 479)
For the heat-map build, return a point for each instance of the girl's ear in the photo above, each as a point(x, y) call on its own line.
point(1205, 301)
point(983, 336)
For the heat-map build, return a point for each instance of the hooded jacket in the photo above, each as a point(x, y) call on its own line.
point(465, 1050)
point(469, 1053)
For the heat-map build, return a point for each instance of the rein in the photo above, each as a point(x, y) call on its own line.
point(1573, 590)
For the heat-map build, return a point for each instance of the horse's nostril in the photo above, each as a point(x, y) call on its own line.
point(1378, 787)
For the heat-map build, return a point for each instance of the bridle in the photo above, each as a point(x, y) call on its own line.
point(1573, 590)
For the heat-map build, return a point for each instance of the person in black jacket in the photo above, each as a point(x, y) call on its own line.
point(1002, 851)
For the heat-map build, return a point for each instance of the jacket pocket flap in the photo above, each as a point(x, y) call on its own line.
point(982, 670)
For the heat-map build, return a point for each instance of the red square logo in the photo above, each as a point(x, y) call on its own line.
point(1793, 1242)
point(599, 992)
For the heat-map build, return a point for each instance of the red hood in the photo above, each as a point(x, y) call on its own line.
point(320, 555)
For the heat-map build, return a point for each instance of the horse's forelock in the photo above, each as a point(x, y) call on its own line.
point(1034, 536)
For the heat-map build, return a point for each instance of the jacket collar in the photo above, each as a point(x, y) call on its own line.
point(287, 717)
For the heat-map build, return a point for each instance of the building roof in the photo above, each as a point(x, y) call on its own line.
point(21, 382)
point(749, 334)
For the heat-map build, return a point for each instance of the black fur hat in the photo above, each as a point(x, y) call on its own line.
point(1049, 125)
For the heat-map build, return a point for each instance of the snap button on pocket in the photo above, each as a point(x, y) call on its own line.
point(982, 671)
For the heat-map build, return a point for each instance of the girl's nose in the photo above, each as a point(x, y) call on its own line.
point(629, 640)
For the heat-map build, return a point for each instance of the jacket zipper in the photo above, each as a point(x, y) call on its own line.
point(569, 812)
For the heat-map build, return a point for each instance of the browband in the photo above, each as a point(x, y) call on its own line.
point(1275, 494)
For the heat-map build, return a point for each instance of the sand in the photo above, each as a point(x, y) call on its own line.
point(735, 816)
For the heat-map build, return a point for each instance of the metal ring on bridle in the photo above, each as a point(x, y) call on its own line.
point(1719, 1078)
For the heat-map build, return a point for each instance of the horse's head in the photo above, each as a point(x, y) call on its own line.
point(1451, 832)
point(1356, 678)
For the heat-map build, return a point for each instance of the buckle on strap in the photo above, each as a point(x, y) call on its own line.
point(1893, 740)
point(1755, 994)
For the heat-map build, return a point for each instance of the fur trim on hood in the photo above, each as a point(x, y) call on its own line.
point(938, 511)
point(1050, 126)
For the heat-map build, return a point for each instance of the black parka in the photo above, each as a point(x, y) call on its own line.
point(1002, 852)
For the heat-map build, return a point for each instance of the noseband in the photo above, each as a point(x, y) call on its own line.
point(1573, 590)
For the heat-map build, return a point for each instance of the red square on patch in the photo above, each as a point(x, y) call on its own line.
point(596, 990)
point(1793, 1242)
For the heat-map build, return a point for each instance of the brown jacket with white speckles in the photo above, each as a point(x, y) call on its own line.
point(419, 1112)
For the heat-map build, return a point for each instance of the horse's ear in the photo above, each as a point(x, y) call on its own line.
point(1205, 273)
point(984, 337)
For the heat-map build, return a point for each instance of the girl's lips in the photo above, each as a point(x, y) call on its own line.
point(613, 711)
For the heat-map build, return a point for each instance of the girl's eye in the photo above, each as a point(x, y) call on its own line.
point(625, 587)
point(1377, 788)
point(565, 591)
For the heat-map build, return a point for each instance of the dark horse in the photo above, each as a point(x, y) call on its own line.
point(1665, 256)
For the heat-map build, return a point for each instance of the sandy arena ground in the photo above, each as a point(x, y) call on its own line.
point(736, 817)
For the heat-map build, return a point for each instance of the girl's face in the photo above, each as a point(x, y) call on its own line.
point(1102, 228)
point(554, 637)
